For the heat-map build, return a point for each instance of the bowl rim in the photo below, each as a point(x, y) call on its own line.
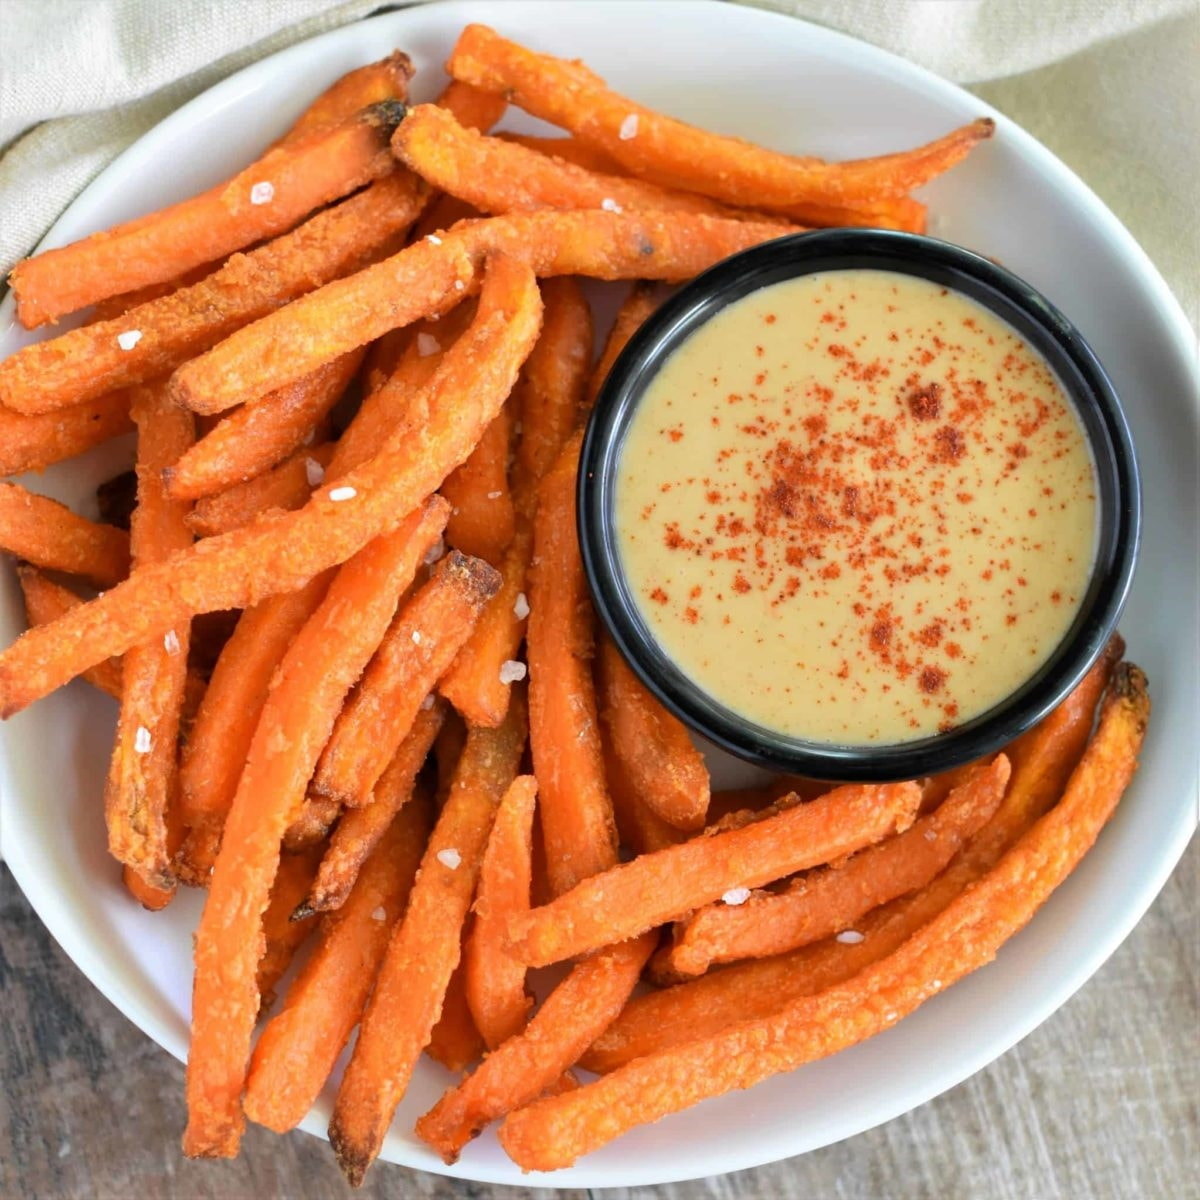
point(1083, 379)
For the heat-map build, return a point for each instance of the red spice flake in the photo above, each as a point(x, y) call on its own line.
point(794, 556)
point(759, 352)
point(815, 425)
point(1010, 619)
point(931, 680)
point(1056, 596)
point(844, 670)
point(676, 435)
point(953, 650)
point(925, 403)
point(713, 496)
point(931, 635)
point(1019, 450)
point(837, 350)
point(831, 571)
point(659, 596)
point(695, 593)
point(741, 584)
point(951, 445)
point(769, 319)
point(881, 634)
point(690, 615)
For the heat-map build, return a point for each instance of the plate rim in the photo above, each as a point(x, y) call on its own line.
point(968, 1061)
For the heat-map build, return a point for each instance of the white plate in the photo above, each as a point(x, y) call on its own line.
point(796, 87)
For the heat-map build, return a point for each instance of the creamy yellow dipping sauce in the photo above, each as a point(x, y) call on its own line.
point(857, 507)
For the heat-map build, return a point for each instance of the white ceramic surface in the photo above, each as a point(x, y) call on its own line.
point(795, 87)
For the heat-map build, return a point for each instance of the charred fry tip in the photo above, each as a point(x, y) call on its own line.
point(401, 64)
point(303, 911)
point(385, 115)
point(481, 579)
point(351, 1161)
point(1130, 686)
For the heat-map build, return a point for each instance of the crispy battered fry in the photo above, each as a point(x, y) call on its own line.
point(282, 936)
point(32, 443)
point(373, 83)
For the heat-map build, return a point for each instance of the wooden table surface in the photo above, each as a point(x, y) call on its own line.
point(1100, 1102)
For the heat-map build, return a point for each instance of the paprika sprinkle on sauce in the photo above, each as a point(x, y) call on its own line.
point(857, 507)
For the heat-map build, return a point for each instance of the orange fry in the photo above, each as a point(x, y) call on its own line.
point(313, 679)
point(547, 401)
point(471, 106)
point(481, 520)
point(1042, 761)
point(255, 437)
point(87, 363)
point(299, 1045)
point(311, 825)
point(360, 829)
point(494, 981)
point(454, 1041)
point(424, 280)
point(500, 176)
point(635, 309)
point(425, 947)
point(520, 1070)
point(143, 769)
point(656, 752)
point(282, 936)
point(965, 936)
point(674, 154)
point(638, 895)
point(569, 149)
point(286, 486)
point(32, 443)
point(640, 828)
point(421, 643)
point(575, 811)
point(824, 902)
point(266, 198)
point(49, 535)
point(373, 83)
point(280, 552)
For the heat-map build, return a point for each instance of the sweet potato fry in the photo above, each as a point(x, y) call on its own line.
point(825, 902)
point(569, 149)
point(965, 936)
point(494, 981)
point(267, 198)
point(371, 84)
point(756, 988)
point(636, 307)
point(301, 1042)
point(49, 535)
point(87, 363)
point(674, 154)
point(640, 829)
point(424, 279)
point(311, 824)
point(282, 936)
point(46, 601)
point(547, 401)
point(286, 486)
point(454, 1041)
point(425, 948)
point(638, 895)
point(255, 437)
point(119, 305)
point(143, 771)
point(418, 647)
point(657, 756)
point(215, 753)
point(360, 829)
point(471, 106)
point(575, 811)
point(481, 520)
point(527, 1064)
point(32, 443)
point(497, 176)
point(320, 666)
point(281, 552)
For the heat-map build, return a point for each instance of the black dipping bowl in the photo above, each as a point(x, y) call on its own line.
point(1010, 298)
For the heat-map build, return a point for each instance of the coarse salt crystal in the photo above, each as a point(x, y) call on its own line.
point(850, 937)
point(141, 740)
point(459, 285)
point(262, 193)
point(171, 642)
point(379, 914)
point(610, 205)
point(512, 671)
point(737, 895)
point(889, 1016)
point(930, 835)
point(427, 344)
point(313, 472)
point(343, 493)
point(449, 858)
point(935, 984)
point(628, 128)
point(416, 636)
point(436, 551)
point(434, 239)
point(129, 338)
point(494, 495)
point(521, 607)
point(427, 703)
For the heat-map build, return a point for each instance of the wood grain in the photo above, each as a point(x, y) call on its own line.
point(1099, 1103)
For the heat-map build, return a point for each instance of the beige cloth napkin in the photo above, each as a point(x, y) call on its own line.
point(1111, 86)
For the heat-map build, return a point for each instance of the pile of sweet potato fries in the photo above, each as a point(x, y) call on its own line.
point(357, 373)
